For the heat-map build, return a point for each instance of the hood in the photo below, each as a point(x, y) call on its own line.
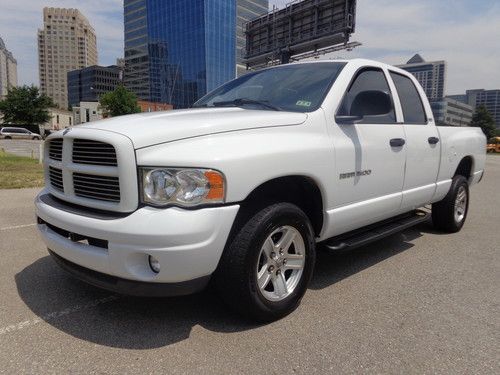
point(146, 129)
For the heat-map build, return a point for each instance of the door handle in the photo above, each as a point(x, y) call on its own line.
point(397, 142)
point(433, 140)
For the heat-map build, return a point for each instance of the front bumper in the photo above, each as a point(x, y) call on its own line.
point(187, 243)
point(130, 287)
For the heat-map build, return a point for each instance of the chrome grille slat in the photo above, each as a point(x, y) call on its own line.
point(55, 149)
point(99, 188)
point(56, 179)
point(98, 194)
point(103, 179)
point(78, 161)
point(104, 188)
point(93, 153)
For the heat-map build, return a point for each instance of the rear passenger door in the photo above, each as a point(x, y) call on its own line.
point(423, 148)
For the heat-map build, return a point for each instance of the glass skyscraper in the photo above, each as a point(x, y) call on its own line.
point(178, 50)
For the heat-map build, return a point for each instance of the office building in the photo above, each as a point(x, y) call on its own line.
point(430, 74)
point(87, 112)
point(67, 42)
point(489, 98)
point(176, 51)
point(8, 70)
point(451, 112)
point(59, 119)
point(88, 84)
point(246, 10)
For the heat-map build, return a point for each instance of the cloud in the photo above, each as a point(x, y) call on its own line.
point(463, 33)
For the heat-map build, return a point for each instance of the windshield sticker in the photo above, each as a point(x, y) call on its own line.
point(303, 103)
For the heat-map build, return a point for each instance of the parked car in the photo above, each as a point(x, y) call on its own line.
point(18, 133)
point(493, 145)
point(242, 188)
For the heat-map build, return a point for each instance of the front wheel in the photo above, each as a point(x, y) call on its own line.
point(265, 270)
point(449, 214)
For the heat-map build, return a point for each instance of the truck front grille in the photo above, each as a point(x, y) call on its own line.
point(56, 179)
point(55, 149)
point(94, 153)
point(105, 188)
point(98, 172)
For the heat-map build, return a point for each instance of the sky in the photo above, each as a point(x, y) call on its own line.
point(464, 33)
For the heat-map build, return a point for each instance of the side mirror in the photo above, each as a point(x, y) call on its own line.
point(367, 103)
point(348, 120)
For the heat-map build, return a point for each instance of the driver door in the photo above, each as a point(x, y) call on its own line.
point(370, 159)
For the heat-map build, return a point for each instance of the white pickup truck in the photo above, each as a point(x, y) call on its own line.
point(242, 188)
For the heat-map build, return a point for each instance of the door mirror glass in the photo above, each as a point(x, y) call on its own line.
point(371, 103)
point(367, 103)
point(368, 99)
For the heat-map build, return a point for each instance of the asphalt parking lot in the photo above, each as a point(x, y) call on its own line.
point(416, 302)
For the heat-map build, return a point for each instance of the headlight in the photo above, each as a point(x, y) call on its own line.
point(185, 187)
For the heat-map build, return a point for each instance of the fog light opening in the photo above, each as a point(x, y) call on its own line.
point(154, 264)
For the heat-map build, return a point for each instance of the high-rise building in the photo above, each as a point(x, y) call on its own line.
point(88, 84)
point(246, 10)
point(8, 70)
point(489, 98)
point(430, 74)
point(66, 42)
point(177, 50)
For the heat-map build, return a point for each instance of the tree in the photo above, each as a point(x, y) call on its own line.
point(484, 120)
point(119, 102)
point(25, 105)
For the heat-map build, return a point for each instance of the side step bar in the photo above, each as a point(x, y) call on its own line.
point(361, 237)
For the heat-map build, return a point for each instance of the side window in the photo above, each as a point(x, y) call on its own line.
point(368, 79)
point(411, 102)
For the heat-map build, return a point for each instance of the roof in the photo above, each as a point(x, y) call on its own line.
point(416, 59)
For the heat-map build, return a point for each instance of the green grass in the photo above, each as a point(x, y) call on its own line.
point(19, 172)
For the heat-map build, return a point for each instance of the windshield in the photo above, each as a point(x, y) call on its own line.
point(295, 87)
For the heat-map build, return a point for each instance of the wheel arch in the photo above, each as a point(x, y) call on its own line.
point(465, 167)
point(300, 190)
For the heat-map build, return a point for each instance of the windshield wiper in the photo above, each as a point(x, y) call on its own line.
point(242, 101)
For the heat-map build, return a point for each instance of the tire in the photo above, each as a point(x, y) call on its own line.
point(244, 259)
point(449, 214)
point(7, 137)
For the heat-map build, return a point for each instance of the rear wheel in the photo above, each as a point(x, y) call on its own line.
point(8, 137)
point(265, 270)
point(449, 214)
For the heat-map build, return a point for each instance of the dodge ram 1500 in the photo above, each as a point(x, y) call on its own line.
point(241, 188)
